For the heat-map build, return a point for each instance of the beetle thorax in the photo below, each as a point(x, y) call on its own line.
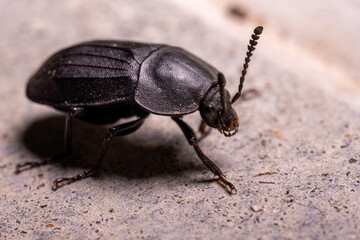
point(213, 114)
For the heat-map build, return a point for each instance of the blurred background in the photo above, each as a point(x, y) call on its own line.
point(310, 32)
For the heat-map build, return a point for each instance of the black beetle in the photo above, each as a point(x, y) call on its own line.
point(102, 81)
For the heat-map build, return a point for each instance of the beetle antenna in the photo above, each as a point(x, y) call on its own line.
point(251, 47)
point(222, 83)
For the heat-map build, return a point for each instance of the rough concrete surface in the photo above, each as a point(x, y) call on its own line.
point(295, 161)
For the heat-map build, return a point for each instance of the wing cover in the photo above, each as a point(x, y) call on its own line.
point(89, 74)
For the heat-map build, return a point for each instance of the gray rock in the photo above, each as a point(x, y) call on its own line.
point(295, 161)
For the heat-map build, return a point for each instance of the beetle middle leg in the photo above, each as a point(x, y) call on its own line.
point(119, 130)
point(73, 112)
point(249, 94)
point(191, 137)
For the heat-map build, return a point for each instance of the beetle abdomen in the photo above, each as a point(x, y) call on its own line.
point(88, 74)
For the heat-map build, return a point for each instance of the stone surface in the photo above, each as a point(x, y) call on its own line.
point(295, 161)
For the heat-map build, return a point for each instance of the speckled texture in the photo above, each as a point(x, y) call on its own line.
point(295, 160)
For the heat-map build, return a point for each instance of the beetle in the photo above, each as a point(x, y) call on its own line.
point(101, 82)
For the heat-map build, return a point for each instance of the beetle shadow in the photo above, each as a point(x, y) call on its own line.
point(131, 157)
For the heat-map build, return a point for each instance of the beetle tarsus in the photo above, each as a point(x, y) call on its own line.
point(119, 130)
point(191, 137)
point(227, 184)
point(60, 182)
point(74, 111)
point(21, 167)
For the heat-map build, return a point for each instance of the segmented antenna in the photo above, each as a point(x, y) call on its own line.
point(222, 83)
point(251, 47)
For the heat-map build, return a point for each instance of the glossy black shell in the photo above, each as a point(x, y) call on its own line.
point(161, 79)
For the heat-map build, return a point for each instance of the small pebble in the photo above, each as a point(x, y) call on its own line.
point(352, 160)
point(256, 208)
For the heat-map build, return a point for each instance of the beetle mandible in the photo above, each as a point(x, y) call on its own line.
point(103, 81)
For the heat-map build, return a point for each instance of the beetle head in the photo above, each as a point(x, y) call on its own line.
point(216, 109)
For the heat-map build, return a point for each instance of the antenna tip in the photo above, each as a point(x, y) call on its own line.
point(258, 30)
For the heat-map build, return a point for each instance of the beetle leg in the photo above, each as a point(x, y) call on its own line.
point(119, 130)
point(249, 94)
point(191, 138)
point(74, 111)
point(203, 131)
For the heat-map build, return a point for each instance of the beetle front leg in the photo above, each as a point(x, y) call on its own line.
point(73, 112)
point(203, 131)
point(119, 130)
point(191, 138)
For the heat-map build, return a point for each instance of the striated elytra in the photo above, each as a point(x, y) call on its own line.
point(103, 81)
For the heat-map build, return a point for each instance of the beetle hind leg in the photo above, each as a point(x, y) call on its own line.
point(119, 130)
point(74, 111)
point(191, 137)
